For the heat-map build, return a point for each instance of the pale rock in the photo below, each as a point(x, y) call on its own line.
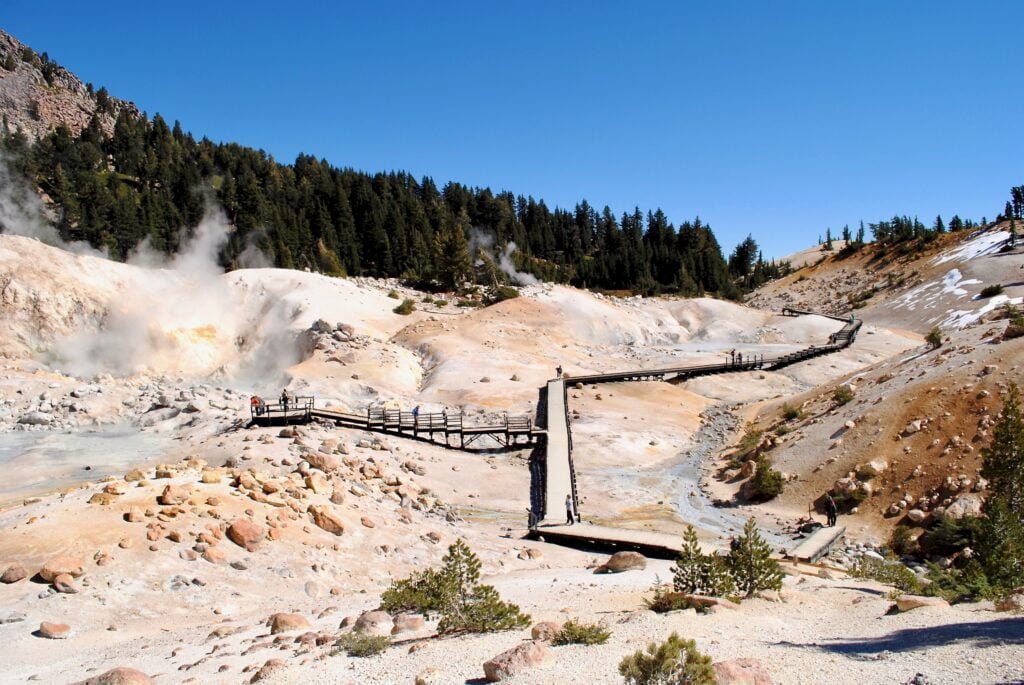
point(61, 565)
point(741, 672)
point(283, 623)
point(374, 623)
point(54, 631)
point(546, 630)
point(515, 661)
point(623, 561)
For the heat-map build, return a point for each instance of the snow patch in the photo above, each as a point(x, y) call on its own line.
point(984, 244)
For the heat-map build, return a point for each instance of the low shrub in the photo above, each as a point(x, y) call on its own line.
point(674, 662)
point(393, 294)
point(967, 584)
point(903, 541)
point(501, 293)
point(573, 633)
point(948, 536)
point(407, 307)
point(789, 412)
point(889, 572)
point(766, 483)
point(842, 395)
point(362, 645)
point(665, 601)
point(934, 338)
point(866, 472)
point(991, 290)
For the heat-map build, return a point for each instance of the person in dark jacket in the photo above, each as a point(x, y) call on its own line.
point(831, 510)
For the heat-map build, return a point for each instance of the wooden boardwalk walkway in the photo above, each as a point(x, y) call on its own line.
point(817, 544)
point(555, 468)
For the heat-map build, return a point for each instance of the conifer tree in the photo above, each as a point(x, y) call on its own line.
point(1003, 467)
point(698, 573)
point(674, 662)
point(750, 562)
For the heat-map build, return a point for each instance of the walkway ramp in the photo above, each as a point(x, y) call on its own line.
point(817, 544)
point(560, 477)
point(587, 535)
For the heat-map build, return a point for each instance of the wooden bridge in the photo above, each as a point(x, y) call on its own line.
point(439, 428)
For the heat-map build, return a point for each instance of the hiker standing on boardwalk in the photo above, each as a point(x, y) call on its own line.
point(284, 399)
point(831, 510)
point(558, 370)
point(569, 518)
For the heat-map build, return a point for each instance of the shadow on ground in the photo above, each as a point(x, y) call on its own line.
point(1007, 631)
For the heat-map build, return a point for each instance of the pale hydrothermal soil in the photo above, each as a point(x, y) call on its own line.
point(164, 606)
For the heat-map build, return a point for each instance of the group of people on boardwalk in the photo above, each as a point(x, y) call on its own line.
point(259, 405)
point(736, 358)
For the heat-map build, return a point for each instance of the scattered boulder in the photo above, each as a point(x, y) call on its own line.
point(119, 676)
point(1012, 602)
point(916, 515)
point(65, 583)
point(514, 661)
point(246, 533)
point(407, 623)
point(54, 631)
point(134, 475)
point(282, 623)
point(367, 522)
point(546, 630)
point(430, 676)
point(965, 506)
point(374, 623)
point(175, 494)
point(61, 565)
point(910, 602)
point(741, 672)
point(623, 561)
point(14, 573)
point(325, 518)
point(266, 670)
point(324, 462)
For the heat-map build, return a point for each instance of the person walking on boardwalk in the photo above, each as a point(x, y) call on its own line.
point(831, 510)
point(558, 370)
point(569, 518)
point(284, 399)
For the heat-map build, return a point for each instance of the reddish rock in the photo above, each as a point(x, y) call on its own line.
point(14, 573)
point(282, 623)
point(119, 676)
point(741, 672)
point(325, 518)
point(374, 623)
point(134, 515)
point(175, 494)
point(214, 555)
point(368, 522)
point(324, 462)
point(623, 561)
point(246, 533)
point(54, 631)
point(407, 623)
point(515, 661)
point(65, 583)
point(270, 667)
point(59, 565)
point(546, 630)
point(909, 602)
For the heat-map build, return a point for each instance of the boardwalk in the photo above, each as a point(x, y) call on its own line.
point(560, 472)
point(554, 469)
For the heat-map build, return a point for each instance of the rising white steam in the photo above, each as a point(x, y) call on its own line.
point(483, 241)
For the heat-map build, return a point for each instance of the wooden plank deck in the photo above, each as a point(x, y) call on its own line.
point(647, 542)
point(558, 479)
point(817, 544)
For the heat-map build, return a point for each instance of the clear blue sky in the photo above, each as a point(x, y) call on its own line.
point(771, 118)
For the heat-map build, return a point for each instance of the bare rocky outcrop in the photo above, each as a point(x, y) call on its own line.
point(122, 675)
point(623, 561)
point(37, 96)
point(61, 565)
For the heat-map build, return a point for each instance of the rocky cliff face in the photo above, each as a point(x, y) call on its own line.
point(37, 95)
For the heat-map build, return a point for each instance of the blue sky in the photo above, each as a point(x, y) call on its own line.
point(771, 118)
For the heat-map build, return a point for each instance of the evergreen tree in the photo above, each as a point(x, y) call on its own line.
point(699, 573)
point(674, 662)
point(751, 564)
point(451, 254)
point(1003, 467)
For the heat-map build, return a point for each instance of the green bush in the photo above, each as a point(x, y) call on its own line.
point(573, 633)
point(407, 307)
point(440, 302)
point(934, 338)
point(501, 293)
point(750, 563)
point(665, 601)
point(991, 290)
point(789, 412)
point(948, 536)
point(360, 644)
point(454, 592)
point(393, 294)
point(903, 541)
point(766, 483)
point(747, 446)
point(842, 395)
point(697, 573)
point(866, 472)
point(889, 572)
point(967, 584)
point(674, 662)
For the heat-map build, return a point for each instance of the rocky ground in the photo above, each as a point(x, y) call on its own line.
point(176, 548)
